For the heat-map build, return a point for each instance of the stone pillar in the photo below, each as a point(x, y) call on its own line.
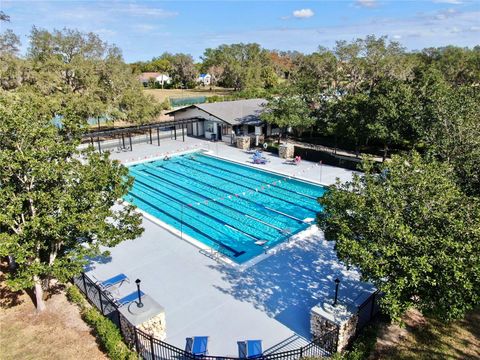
point(243, 142)
point(325, 318)
point(150, 318)
point(286, 151)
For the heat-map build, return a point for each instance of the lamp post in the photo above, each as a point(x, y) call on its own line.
point(337, 282)
point(139, 304)
point(321, 168)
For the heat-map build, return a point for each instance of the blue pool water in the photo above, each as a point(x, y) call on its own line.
point(235, 209)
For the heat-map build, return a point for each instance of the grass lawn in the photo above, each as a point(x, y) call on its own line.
point(423, 338)
point(57, 333)
point(162, 94)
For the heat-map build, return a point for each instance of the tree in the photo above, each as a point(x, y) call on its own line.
point(78, 72)
point(183, 70)
point(57, 208)
point(4, 17)
point(288, 111)
point(411, 232)
point(394, 109)
point(447, 121)
point(242, 65)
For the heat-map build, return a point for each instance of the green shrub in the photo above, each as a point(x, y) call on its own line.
point(75, 296)
point(107, 333)
point(165, 105)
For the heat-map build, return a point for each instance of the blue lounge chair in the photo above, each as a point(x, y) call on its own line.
point(128, 298)
point(259, 160)
point(197, 345)
point(249, 349)
point(117, 279)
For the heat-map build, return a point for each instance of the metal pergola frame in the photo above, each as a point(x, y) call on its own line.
point(127, 131)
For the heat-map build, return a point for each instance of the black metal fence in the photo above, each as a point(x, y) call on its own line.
point(150, 348)
point(368, 310)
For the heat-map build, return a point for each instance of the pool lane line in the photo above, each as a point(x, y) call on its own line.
point(279, 190)
point(263, 222)
point(262, 183)
point(218, 242)
point(215, 241)
point(236, 183)
point(232, 194)
point(175, 186)
point(290, 216)
point(254, 178)
point(240, 213)
point(217, 220)
point(248, 199)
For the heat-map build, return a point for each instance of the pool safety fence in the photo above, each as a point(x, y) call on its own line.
point(151, 348)
point(368, 310)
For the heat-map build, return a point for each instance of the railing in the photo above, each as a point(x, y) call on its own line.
point(368, 310)
point(151, 348)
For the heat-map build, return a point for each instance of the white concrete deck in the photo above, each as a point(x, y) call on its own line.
point(270, 300)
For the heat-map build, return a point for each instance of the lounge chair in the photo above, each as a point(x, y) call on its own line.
point(197, 345)
point(249, 349)
point(297, 160)
point(259, 160)
point(128, 298)
point(117, 279)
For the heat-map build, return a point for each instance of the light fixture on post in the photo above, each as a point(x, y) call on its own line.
point(337, 283)
point(139, 304)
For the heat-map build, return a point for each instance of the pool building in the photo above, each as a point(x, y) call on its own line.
point(224, 120)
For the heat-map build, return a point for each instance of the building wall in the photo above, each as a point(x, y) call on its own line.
point(202, 126)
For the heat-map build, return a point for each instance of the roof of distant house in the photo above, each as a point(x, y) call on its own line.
point(151, 75)
point(232, 112)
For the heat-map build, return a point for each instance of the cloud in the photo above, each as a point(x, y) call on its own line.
point(366, 3)
point(453, 2)
point(143, 28)
point(303, 13)
point(141, 10)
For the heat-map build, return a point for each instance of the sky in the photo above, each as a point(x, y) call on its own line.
point(144, 29)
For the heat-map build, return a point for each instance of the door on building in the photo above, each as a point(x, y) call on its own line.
point(219, 132)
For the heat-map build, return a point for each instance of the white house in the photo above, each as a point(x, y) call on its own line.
point(161, 79)
point(205, 79)
point(224, 120)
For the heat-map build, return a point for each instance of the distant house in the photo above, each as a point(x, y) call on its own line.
point(160, 79)
point(205, 79)
point(224, 120)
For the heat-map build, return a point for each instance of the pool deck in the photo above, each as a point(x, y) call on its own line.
point(270, 300)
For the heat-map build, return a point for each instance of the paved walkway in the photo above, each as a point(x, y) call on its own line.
point(270, 300)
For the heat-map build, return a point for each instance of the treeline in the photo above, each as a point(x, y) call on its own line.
point(74, 72)
point(372, 93)
point(243, 67)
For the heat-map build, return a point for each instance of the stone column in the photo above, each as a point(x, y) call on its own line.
point(150, 318)
point(286, 151)
point(243, 142)
point(325, 318)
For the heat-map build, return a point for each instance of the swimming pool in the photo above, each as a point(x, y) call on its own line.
point(235, 209)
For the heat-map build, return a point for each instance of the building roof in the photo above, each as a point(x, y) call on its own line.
point(236, 112)
point(145, 76)
point(148, 75)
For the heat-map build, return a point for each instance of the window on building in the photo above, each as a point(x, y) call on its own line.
point(209, 126)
